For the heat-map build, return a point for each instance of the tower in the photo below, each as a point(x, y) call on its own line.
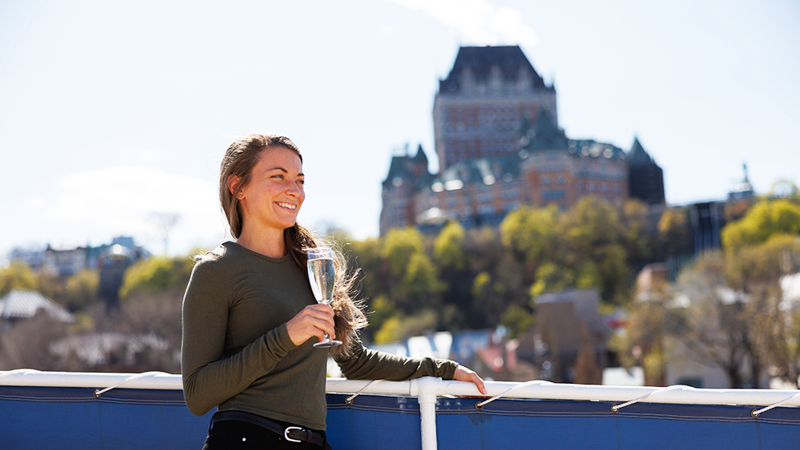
point(645, 177)
point(481, 103)
point(407, 175)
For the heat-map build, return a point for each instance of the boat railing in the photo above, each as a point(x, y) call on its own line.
point(429, 393)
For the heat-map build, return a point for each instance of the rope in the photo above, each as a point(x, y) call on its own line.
point(616, 408)
point(757, 412)
point(99, 392)
point(16, 371)
point(349, 400)
point(480, 405)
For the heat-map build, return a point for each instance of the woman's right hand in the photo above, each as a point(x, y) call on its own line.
point(312, 321)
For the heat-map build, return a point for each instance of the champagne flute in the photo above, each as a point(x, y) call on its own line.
point(322, 275)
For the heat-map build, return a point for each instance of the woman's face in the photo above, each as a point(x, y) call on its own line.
point(275, 193)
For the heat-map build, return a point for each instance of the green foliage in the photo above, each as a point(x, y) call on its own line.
point(551, 278)
point(398, 246)
point(421, 277)
point(365, 255)
point(592, 224)
point(81, 289)
point(637, 237)
point(517, 320)
point(480, 284)
point(674, 235)
point(530, 231)
point(380, 311)
point(404, 326)
point(16, 275)
point(763, 220)
point(448, 249)
point(156, 274)
point(389, 331)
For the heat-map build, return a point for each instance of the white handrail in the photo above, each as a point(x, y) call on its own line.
point(549, 391)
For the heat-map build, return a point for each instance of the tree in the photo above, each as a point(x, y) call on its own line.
point(763, 220)
point(81, 289)
point(16, 275)
point(645, 340)
point(593, 233)
point(448, 248)
point(674, 235)
point(715, 327)
point(517, 320)
point(531, 234)
point(736, 318)
point(398, 246)
point(157, 274)
point(757, 271)
point(413, 280)
point(638, 235)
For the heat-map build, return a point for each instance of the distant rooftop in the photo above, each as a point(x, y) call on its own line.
point(25, 304)
point(478, 63)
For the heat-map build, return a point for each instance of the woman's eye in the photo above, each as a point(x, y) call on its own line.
point(301, 182)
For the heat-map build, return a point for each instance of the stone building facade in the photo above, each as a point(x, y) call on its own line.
point(480, 104)
point(500, 147)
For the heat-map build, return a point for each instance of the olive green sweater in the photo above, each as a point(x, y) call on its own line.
point(236, 352)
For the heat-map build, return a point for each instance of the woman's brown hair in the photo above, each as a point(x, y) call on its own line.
point(240, 158)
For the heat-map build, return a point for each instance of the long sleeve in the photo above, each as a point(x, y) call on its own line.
point(210, 376)
point(237, 354)
point(368, 364)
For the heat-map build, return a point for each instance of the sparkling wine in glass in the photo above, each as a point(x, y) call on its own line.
point(322, 275)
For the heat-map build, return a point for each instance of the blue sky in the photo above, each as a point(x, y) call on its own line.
point(114, 112)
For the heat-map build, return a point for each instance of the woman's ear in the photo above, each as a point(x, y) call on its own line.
point(233, 183)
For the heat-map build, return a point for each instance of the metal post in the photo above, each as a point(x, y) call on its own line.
point(426, 390)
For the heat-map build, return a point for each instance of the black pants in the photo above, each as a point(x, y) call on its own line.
point(233, 434)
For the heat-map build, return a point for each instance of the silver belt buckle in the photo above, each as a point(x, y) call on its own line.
point(286, 434)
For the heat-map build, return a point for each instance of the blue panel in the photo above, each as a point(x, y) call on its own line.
point(373, 422)
point(573, 425)
point(71, 418)
point(393, 423)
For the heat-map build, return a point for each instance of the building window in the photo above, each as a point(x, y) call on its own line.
point(485, 209)
point(510, 194)
point(560, 179)
point(545, 180)
point(554, 195)
point(485, 198)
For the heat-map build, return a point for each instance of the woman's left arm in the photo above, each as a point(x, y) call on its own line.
point(368, 364)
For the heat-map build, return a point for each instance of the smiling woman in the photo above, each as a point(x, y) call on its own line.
point(250, 318)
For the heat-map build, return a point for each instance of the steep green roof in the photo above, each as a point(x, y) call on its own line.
point(545, 135)
point(638, 155)
point(479, 61)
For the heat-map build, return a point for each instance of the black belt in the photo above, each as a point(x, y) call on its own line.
point(290, 433)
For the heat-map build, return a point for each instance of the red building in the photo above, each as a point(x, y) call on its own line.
point(500, 147)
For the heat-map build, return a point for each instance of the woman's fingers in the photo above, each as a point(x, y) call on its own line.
point(312, 321)
point(465, 374)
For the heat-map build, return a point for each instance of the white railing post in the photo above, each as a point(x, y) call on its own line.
point(426, 389)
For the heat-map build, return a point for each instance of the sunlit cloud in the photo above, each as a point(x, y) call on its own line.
point(128, 199)
point(478, 22)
